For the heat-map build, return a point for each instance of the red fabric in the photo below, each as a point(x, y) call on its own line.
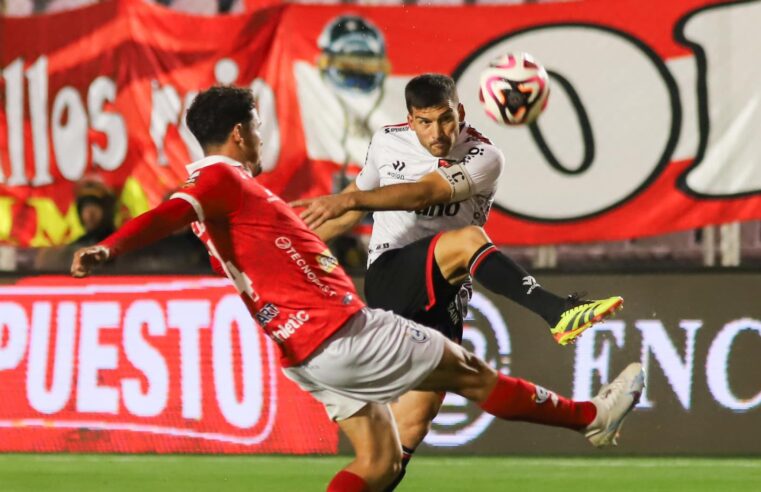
point(136, 66)
point(285, 274)
point(429, 272)
point(346, 481)
point(150, 227)
point(517, 399)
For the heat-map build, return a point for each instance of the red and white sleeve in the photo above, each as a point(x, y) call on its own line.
point(149, 227)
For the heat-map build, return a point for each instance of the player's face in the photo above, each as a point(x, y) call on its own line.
point(252, 144)
point(437, 127)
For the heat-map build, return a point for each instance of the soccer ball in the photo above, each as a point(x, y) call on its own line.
point(514, 89)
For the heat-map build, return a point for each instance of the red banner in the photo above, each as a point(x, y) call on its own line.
point(149, 365)
point(651, 127)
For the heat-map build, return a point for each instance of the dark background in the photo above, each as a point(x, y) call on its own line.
point(707, 428)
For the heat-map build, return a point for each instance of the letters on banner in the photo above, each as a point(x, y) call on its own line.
point(651, 127)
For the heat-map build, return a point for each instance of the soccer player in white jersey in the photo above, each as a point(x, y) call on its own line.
point(431, 183)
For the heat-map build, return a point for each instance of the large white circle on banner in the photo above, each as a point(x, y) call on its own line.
point(610, 126)
point(486, 335)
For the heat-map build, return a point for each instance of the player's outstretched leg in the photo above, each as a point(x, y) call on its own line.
point(512, 398)
point(470, 251)
point(377, 450)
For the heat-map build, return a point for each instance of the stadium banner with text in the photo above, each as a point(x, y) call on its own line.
point(700, 350)
point(651, 127)
point(146, 365)
point(176, 364)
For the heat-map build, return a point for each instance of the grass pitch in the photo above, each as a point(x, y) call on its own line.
point(84, 473)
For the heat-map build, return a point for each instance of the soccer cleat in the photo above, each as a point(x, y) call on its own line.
point(583, 314)
point(613, 403)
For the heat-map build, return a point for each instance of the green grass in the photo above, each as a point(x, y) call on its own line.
point(83, 473)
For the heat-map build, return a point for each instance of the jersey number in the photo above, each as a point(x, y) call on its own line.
point(241, 281)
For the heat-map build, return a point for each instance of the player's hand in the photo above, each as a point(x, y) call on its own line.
point(86, 258)
point(321, 209)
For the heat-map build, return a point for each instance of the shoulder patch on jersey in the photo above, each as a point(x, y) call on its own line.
point(446, 162)
point(326, 261)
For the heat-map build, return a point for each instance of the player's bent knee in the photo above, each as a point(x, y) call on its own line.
point(468, 240)
point(473, 235)
point(381, 468)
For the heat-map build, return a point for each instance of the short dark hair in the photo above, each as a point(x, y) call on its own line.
point(215, 112)
point(429, 90)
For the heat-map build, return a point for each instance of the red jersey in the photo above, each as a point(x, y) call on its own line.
point(286, 276)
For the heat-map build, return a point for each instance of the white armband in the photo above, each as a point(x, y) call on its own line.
point(460, 181)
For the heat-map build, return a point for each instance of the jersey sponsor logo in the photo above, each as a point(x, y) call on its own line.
point(417, 335)
point(394, 129)
point(397, 172)
point(266, 314)
point(326, 261)
point(283, 331)
point(440, 210)
point(446, 162)
point(286, 245)
point(473, 152)
point(399, 176)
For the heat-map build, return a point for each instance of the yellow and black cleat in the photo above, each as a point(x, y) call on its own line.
point(578, 318)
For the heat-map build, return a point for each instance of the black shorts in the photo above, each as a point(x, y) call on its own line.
point(408, 282)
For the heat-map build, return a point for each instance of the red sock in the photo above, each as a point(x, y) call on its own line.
point(346, 481)
point(517, 399)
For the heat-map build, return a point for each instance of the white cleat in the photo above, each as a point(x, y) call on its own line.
point(614, 402)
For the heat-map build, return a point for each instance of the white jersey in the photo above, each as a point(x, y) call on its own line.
point(396, 156)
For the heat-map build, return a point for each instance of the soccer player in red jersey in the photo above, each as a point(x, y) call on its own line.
point(353, 359)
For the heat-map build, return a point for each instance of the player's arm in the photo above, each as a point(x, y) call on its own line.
point(429, 190)
point(207, 195)
point(343, 223)
point(444, 185)
point(137, 233)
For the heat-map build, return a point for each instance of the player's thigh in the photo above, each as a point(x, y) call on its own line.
point(397, 281)
point(408, 282)
point(375, 357)
point(461, 372)
point(373, 436)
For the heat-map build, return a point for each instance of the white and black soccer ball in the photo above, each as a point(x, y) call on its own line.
point(514, 89)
